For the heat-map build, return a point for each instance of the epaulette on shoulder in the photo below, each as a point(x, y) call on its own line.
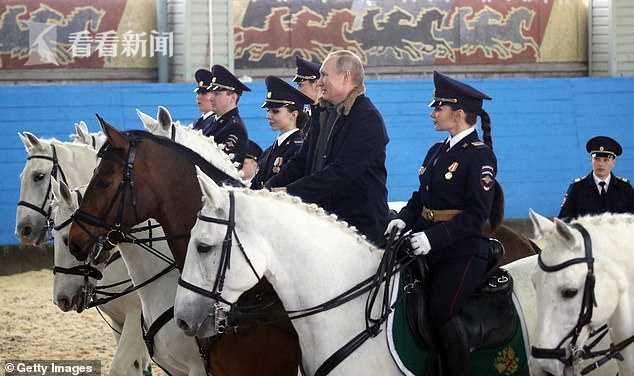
point(478, 144)
point(623, 179)
point(577, 180)
point(298, 142)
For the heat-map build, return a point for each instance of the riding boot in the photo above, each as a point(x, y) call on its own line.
point(454, 348)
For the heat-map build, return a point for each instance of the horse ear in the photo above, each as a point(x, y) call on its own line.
point(148, 122)
point(540, 223)
point(60, 191)
point(33, 141)
point(164, 118)
point(209, 188)
point(564, 231)
point(81, 131)
point(117, 139)
point(25, 141)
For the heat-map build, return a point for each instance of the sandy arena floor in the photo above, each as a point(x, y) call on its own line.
point(32, 327)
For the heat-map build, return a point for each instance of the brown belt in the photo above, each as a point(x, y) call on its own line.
point(439, 215)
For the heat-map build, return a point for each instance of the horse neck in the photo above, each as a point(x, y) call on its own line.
point(76, 161)
point(309, 262)
point(141, 265)
point(208, 149)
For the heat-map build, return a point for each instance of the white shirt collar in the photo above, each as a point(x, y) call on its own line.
point(597, 180)
point(458, 137)
point(207, 114)
point(281, 138)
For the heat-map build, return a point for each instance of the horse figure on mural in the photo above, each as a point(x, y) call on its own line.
point(584, 280)
point(75, 281)
point(165, 188)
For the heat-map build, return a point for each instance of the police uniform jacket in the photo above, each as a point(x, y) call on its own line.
point(206, 125)
point(275, 156)
point(583, 198)
point(462, 178)
point(230, 131)
point(352, 183)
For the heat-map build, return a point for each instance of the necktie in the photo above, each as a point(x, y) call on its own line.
point(602, 190)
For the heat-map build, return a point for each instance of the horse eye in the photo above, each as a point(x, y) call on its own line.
point(65, 240)
point(569, 293)
point(203, 248)
point(38, 176)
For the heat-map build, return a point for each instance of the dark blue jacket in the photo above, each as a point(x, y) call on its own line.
point(275, 157)
point(352, 183)
point(583, 198)
point(462, 178)
point(228, 130)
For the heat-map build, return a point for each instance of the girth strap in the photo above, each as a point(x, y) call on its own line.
point(148, 336)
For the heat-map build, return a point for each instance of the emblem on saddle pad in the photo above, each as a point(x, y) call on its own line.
point(450, 170)
point(506, 362)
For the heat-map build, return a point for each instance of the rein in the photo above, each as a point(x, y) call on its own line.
point(572, 353)
point(48, 195)
point(388, 267)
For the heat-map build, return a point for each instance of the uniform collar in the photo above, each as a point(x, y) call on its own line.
point(227, 115)
point(284, 136)
point(453, 141)
point(597, 180)
point(208, 114)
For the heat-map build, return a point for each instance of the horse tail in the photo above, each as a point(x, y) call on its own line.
point(497, 210)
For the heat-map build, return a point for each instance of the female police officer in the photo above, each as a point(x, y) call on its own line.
point(285, 113)
point(456, 197)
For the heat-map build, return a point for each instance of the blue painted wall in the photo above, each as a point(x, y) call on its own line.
point(540, 127)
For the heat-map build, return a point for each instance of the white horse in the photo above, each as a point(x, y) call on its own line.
point(131, 357)
point(83, 136)
point(309, 262)
point(560, 292)
point(173, 351)
point(192, 139)
point(70, 161)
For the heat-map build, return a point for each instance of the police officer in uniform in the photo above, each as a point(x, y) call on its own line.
point(250, 165)
point(203, 100)
point(600, 191)
point(306, 78)
point(228, 129)
point(285, 113)
point(456, 197)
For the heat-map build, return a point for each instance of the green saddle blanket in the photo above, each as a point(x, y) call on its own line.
point(413, 358)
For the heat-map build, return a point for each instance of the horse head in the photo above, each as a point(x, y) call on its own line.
point(577, 291)
point(207, 281)
point(116, 198)
point(33, 209)
point(83, 136)
point(71, 287)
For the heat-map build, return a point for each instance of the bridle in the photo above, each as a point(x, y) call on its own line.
point(573, 352)
point(115, 233)
point(390, 265)
point(41, 209)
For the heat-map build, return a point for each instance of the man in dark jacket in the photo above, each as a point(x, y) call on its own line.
point(341, 165)
point(600, 191)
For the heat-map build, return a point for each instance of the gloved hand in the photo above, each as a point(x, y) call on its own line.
point(398, 223)
point(420, 243)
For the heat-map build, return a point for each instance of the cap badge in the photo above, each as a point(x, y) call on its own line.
point(269, 94)
point(213, 79)
point(601, 148)
point(201, 83)
point(421, 170)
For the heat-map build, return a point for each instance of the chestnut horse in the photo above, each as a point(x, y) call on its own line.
point(162, 184)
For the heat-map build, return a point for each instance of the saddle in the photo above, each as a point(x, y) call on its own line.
point(488, 317)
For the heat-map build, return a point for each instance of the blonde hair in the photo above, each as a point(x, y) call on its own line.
point(347, 61)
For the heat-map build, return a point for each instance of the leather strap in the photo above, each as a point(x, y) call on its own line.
point(432, 215)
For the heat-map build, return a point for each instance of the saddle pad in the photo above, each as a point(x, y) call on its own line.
point(412, 357)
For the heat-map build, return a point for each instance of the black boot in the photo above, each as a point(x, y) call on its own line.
point(454, 348)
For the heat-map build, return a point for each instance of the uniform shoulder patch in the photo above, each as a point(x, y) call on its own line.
point(623, 179)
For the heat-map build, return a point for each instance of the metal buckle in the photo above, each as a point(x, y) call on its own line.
point(220, 318)
point(428, 214)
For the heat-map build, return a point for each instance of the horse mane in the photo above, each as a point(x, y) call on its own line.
point(606, 219)
point(219, 175)
point(312, 209)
